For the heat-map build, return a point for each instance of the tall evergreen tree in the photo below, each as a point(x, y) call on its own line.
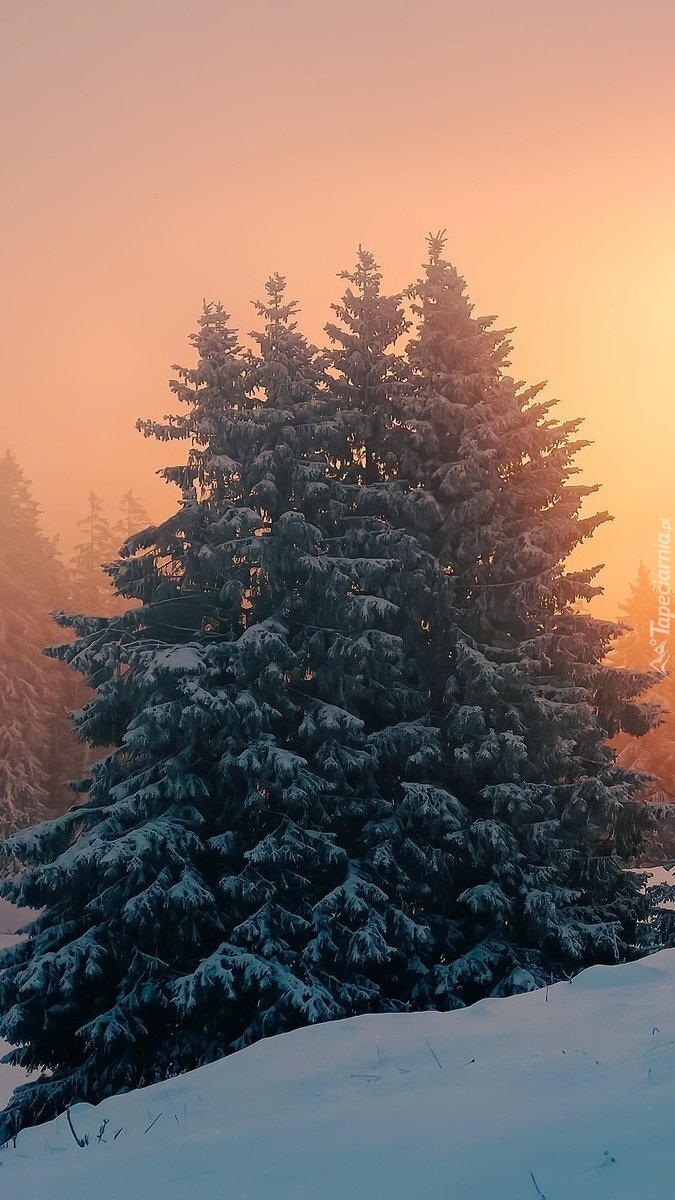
point(36, 745)
point(362, 762)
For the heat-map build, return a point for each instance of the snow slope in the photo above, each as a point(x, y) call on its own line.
point(568, 1095)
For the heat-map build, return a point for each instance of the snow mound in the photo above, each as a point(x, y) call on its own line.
point(565, 1093)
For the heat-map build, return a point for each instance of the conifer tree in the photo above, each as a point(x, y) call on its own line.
point(653, 754)
point(92, 589)
point(24, 713)
point(36, 746)
point(133, 516)
point(361, 730)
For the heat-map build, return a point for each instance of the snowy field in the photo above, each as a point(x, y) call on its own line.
point(568, 1095)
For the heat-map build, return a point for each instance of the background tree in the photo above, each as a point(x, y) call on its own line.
point(654, 754)
point(38, 753)
point(92, 588)
point(361, 730)
point(133, 516)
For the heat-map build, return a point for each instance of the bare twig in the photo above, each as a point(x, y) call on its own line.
point(82, 1142)
point(434, 1055)
point(536, 1187)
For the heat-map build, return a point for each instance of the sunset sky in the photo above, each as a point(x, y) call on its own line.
point(158, 152)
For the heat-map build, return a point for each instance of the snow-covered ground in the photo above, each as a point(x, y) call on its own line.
point(568, 1095)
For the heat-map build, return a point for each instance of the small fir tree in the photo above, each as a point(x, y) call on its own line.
point(92, 591)
point(133, 516)
point(653, 754)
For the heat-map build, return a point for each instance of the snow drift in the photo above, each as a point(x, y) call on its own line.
point(563, 1094)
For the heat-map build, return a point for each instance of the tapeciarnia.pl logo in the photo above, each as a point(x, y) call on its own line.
point(659, 630)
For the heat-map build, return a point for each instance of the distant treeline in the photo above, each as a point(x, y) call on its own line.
point(38, 750)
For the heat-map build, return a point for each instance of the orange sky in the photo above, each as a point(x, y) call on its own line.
point(156, 152)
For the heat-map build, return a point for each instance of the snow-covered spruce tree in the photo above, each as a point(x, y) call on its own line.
point(36, 745)
point(361, 759)
point(529, 703)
